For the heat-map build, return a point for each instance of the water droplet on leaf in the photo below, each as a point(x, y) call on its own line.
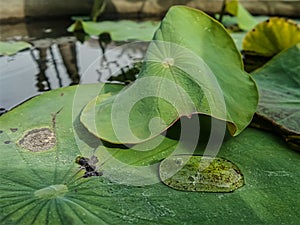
point(200, 173)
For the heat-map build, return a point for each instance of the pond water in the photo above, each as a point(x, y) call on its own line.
point(57, 59)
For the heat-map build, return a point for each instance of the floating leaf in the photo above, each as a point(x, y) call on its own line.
point(271, 37)
point(119, 30)
point(36, 183)
point(199, 173)
point(11, 48)
point(43, 186)
point(189, 68)
point(279, 84)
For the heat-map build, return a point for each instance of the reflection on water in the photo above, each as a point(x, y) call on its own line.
point(43, 54)
point(58, 62)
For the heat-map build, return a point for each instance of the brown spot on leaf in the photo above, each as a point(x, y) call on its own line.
point(40, 139)
point(7, 142)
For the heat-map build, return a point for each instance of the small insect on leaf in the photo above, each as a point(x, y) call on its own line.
point(89, 166)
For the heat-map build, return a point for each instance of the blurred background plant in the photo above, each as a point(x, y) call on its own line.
point(97, 9)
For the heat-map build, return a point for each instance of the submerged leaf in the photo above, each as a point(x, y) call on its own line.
point(271, 37)
point(189, 68)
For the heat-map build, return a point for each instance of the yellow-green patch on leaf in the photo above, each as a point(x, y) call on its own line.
point(272, 36)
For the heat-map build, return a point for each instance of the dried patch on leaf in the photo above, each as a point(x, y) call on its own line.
point(40, 139)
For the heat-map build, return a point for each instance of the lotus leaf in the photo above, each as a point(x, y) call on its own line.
point(279, 82)
point(11, 48)
point(48, 186)
point(119, 31)
point(272, 36)
point(189, 68)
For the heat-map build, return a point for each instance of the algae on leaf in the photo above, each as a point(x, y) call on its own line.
point(200, 173)
point(189, 68)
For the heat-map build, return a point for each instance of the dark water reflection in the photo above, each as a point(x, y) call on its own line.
point(62, 61)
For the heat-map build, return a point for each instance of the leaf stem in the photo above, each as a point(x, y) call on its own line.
point(222, 12)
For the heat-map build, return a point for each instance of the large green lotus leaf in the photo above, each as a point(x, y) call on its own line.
point(272, 36)
point(11, 48)
point(39, 142)
point(119, 30)
point(42, 187)
point(192, 66)
point(279, 88)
